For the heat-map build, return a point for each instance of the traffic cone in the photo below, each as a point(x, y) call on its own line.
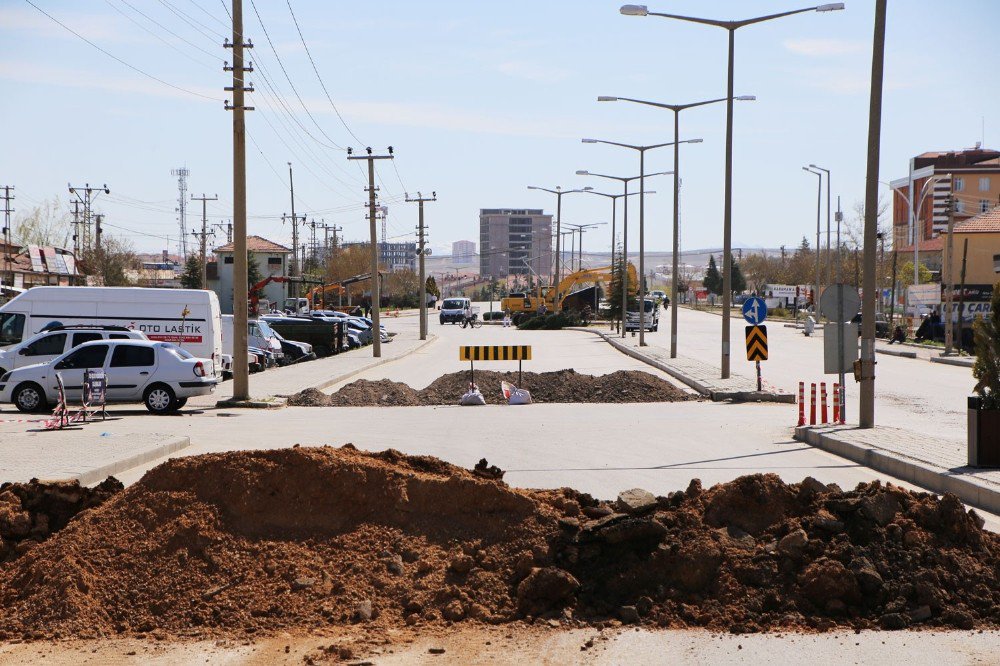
point(802, 404)
point(812, 404)
point(836, 403)
point(822, 402)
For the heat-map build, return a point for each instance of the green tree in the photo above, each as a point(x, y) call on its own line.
point(115, 264)
point(713, 279)
point(614, 294)
point(987, 341)
point(253, 270)
point(191, 277)
point(904, 274)
point(432, 287)
point(736, 280)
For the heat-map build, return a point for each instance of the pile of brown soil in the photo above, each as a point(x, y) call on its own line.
point(256, 542)
point(31, 512)
point(560, 386)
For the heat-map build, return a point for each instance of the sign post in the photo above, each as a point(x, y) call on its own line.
point(839, 303)
point(755, 312)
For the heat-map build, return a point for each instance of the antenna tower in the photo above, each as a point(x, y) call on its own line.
point(182, 187)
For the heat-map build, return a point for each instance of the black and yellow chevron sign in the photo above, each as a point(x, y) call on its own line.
point(756, 343)
point(494, 353)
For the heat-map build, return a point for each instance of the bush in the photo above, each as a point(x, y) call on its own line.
point(492, 316)
point(778, 312)
point(550, 322)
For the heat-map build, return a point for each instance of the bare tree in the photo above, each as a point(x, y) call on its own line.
point(45, 224)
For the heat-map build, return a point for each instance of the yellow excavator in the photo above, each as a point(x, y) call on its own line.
point(520, 303)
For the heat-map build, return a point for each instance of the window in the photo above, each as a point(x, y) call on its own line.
point(119, 336)
point(984, 184)
point(50, 345)
point(84, 357)
point(274, 261)
point(959, 206)
point(11, 328)
point(80, 338)
point(175, 350)
point(132, 356)
point(959, 185)
point(984, 206)
point(227, 260)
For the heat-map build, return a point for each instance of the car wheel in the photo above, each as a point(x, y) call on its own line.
point(29, 397)
point(181, 402)
point(160, 399)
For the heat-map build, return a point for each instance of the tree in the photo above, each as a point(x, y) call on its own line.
point(191, 278)
point(348, 262)
point(614, 295)
point(432, 287)
point(986, 333)
point(113, 265)
point(713, 279)
point(253, 270)
point(736, 281)
point(904, 274)
point(46, 224)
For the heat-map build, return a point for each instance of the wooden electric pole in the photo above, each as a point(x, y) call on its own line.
point(421, 239)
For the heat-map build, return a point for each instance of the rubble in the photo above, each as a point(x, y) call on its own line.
point(260, 542)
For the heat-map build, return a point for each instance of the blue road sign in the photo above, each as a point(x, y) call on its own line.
point(754, 310)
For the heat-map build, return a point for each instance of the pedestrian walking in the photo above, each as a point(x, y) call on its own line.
point(506, 318)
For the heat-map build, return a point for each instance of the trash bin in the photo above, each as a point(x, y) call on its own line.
point(810, 326)
point(984, 435)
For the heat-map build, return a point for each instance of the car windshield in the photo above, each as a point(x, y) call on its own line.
point(265, 329)
point(176, 351)
point(11, 328)
point(453, 304)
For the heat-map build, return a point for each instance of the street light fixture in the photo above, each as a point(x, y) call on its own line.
point(675, 267)
point(625, 181)
point(559, 192)
point(731, 27)
point(642, 239)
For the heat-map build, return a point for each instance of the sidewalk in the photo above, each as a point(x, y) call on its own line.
point(702, 377)
point(934, 463)
point(318, 374)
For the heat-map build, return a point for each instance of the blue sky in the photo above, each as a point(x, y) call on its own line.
point(479, 100)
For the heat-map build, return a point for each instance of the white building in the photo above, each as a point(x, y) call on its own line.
point(463, 253)
point(271, 258)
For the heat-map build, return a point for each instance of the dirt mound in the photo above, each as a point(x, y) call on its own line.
point(31, 512)
point(560, 386)
point(258, 542)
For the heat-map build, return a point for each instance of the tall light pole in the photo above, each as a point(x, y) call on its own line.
point(559, 192)
point(731, 27)
point(625, 180)
point(642, 240)
point(829, 265)
point(579, 229)
point(819, 204)
point(421, 238)
point(676, 108)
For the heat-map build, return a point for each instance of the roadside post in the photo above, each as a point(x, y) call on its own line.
point(473, 353)
point(95, 389)
point(755, 312)
point(838, 303)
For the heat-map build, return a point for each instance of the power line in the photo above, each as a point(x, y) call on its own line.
point(157, 36)
point(119, 60)
point(321, 83)
point(194, 24)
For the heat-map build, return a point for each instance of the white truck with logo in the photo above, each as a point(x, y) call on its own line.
point(188, 318)
point(651, 318)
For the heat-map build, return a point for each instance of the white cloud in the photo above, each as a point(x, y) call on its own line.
point(521, 69)
point(824, 47)
point(26, 72)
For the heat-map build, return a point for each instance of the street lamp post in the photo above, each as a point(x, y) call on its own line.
point(559, 192)
point(579, 229)
point(731, 27)
point(676, 108)
point(625, 181)
point(642, 240)
point(819, 204)
point(829, 265)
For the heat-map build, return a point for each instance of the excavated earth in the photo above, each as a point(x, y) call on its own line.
point(252, 543)
point(560, 386)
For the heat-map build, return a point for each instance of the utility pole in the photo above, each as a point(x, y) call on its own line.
point(294, 268)
point(421, 238)
point(87, 199)
point(949, 281)
point(241, 376)
point(76, 230)
point(204, 234)
point(7, 210)
point(376, 286)
point(866, 413)
point(961, 297)
point(228, 228)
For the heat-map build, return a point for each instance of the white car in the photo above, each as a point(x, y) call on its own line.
point(158, 374)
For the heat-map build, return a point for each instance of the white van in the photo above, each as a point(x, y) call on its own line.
point(188, 318)
point(259, 335)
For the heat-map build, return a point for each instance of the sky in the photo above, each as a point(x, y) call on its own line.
point(478, 101)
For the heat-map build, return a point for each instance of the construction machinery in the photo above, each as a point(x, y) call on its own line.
point(323, 296)
point(253, 293)
point(568, 290)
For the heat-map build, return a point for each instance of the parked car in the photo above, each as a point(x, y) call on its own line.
point(227, 364)
point(295, 352)
point(161, 375)
point(189, 318)
point(259, 335)
point(56, 340)
point(881, 324)
point(455, 310)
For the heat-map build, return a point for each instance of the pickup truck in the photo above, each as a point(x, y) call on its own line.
point(651, 317)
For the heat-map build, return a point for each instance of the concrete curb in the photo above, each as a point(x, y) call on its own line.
point(896, 352)
point(925, 475)
point(382, 361)
point(231, 403)
point(961, 361)
point(170, 445)
point(716, 396)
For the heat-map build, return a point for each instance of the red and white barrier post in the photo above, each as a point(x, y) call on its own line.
point(812, 404)
point(822, 401)
point(836, 403)
point(802, 404)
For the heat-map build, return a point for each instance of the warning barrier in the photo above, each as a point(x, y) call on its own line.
point(802, 404)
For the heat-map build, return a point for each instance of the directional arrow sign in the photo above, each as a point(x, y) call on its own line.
point(756, 343)
point(755, 310)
